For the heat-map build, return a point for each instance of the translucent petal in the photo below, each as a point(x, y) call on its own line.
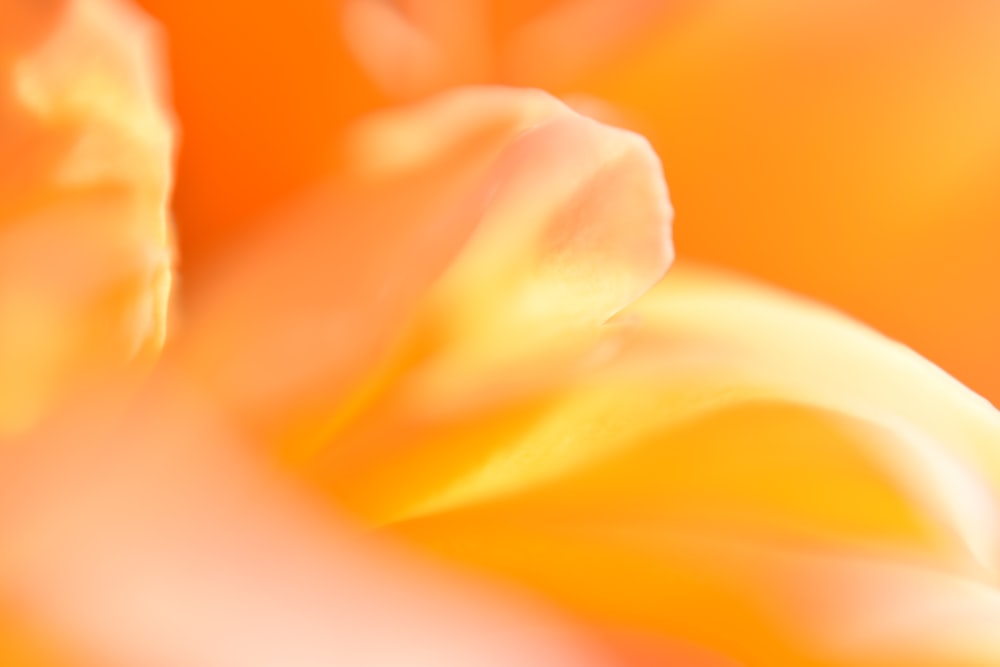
point(742, 473)
point(699, 344)
point(85, 158)
point(488, 227)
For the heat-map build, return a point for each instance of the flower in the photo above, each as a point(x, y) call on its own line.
point(445, 409)
point(844, 151)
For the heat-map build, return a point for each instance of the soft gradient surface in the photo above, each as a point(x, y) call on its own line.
point(434, 390)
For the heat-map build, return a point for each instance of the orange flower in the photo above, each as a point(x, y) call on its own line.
point(443, 408)
point(849, 151)
point(844, 150)
point(690, 468)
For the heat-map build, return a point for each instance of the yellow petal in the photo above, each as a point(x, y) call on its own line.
point(943, 440)
point(85, 159)
point(488, 227)
point(576, 226)
point(698, 344)
point(742, 474)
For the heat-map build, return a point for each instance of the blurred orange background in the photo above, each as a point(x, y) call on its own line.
point(846, 150)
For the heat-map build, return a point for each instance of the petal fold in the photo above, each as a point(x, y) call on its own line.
point(486, 228)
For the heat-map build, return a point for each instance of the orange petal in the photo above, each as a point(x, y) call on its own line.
point(162, 539)
point(846, 150)
point(262, 91)
point(85, 250)
point(477, 215)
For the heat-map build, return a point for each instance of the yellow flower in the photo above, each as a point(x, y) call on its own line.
point(447, 410)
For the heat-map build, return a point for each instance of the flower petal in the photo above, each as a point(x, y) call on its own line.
point(948, 438)
point(845, 150)
point(85, 159)
point(754, 598)
point(742, 474)
point(476, 215)
point(698, 345)
point(160, 538)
